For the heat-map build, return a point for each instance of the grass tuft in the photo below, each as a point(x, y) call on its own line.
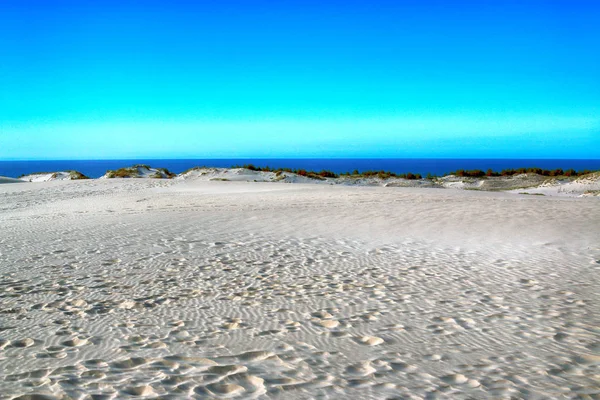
point(477, 173)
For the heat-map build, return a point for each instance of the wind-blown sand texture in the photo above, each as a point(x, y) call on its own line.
point(199, 289)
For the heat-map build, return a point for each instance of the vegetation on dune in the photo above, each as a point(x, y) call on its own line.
point(320, 175)
point(36, 173)
point(74, 174)
point(77, 175)
point(592, 193)
point(128, 172)
point(133, 172)
point(381, 175)
point(167, 173)
point(196, 169)
point(323, 174)
point(474, 173)
point(477, 173)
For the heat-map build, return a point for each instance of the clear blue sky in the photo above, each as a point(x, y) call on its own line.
point(195, 79)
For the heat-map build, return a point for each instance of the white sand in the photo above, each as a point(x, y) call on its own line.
point(584, 186)
point(190, 288)
point(50, 176)
point(139, 171)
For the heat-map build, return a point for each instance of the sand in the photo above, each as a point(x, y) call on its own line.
point(4, 179)
point(582, 186)
point(52, 176)
point(531, 184)
point(139, 288)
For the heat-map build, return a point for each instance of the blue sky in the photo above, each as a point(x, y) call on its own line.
point(194, 79)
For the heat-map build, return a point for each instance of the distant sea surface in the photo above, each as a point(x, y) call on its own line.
point(423, 166)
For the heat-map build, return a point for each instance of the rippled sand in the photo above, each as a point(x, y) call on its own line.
point(173, 289)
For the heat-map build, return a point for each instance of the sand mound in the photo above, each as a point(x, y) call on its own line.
point(583, 186)
point(529, 183)
point(492, 183)
point(247, 175)
point(53, 176)
point(139, 171)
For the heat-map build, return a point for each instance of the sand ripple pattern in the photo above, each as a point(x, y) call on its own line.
point(174, 303)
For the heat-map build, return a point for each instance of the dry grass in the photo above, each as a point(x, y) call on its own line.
point(76, 175)
point(129, 172)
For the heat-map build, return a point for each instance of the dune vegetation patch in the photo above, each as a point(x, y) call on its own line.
point(592, 193)
point(477, 173)
point(128, 172)
point(381, 175)
point(36, 173)
point(75, 175)
point(163, 173)
point(319, 175)
point(55, 175)
point(140, 171)
point(324, 174)
point(469, 176)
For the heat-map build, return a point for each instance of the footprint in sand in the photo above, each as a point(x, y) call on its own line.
point(361, 369)
point(370, 340)
point(75, 342)
point(21, 343)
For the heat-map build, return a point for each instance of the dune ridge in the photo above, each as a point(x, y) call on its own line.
point(53, 176)
point(575, 185)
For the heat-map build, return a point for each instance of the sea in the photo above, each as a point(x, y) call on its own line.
point(423, 166)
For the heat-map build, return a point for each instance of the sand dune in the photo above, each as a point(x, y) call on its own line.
point(588, 185)
point(53, 176)
point(527, 183)
point(584, 186)
point(139, 171)
point(196, 288)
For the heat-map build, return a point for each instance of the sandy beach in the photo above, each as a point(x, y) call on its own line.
point(155, 288)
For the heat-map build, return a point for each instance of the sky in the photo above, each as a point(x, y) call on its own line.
point(299, 79)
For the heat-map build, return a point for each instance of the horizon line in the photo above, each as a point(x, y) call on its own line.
point(293, 158)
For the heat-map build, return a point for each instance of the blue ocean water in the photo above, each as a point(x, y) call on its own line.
point(423, 166)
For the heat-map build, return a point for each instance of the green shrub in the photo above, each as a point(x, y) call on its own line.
point(512, 171)
point(327, 174)
point(168, 173)
point(77, 175)
point(410, 175)
point(129, 172)
point(474, 173)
